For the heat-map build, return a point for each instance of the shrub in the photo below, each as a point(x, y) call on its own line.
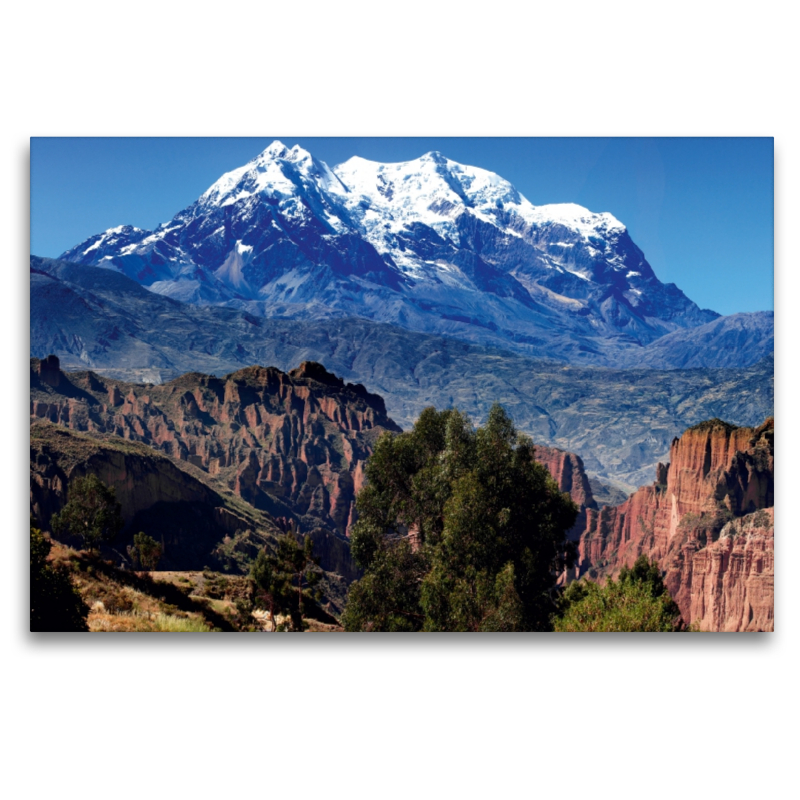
point(55, 603)
point(145, 552)
point(637, 601)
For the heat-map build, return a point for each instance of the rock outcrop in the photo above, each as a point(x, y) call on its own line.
point(289, 444)
point(568, 472)
point(703, 520)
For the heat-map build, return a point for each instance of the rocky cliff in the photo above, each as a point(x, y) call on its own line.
point(198, 523)
point(293, 444)
point(703, 520)
point(733, 579)
point(567, 470)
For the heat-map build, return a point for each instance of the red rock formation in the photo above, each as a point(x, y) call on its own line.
point(733, 579)
point(717, 473)
point(568, 472)
point(290, 444)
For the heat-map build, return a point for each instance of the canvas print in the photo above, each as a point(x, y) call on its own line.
point(355, 384)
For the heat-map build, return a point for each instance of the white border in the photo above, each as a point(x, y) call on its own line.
point(395, 716)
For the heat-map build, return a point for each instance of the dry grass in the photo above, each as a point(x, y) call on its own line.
point(141, 622)
point(314, 626)
point(165, 601)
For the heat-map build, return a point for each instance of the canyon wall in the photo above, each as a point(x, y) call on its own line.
point(704, 521)
point(190, 518)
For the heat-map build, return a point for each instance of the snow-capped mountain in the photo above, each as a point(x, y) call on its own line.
point(429, 244)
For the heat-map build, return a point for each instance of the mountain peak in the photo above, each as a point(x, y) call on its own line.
point(277, 171)
point(278, 151)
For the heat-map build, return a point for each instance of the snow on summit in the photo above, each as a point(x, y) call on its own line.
point(276, 171)
point(573, 216)
point(429, 244)
point(431, 189)
point(384, 198)
point(434, 190)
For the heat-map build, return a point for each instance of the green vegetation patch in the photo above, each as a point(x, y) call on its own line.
point(711, 424)
point(637, 602)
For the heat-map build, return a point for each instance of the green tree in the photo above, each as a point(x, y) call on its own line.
point(56, 604)
point(637, 601)
point(284, 580)
point(92, 512)
point(145, 552)
point(458, 529)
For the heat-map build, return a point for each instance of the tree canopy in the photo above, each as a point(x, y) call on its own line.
point(92, 512)
point(636, 601)
point(284, 580)
point(458, 529)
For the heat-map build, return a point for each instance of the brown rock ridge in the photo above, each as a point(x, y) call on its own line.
point(718, 478)
point(290, 444)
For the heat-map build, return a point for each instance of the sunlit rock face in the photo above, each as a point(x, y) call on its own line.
point(708, 520)
point(291, 444)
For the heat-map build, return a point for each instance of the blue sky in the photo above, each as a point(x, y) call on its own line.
point(701, 209)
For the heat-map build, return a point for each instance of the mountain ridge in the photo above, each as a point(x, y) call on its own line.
point(430, 245)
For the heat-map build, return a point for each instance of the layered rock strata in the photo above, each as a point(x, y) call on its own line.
point(290, 444)
point(733, 579)
point(703, 521)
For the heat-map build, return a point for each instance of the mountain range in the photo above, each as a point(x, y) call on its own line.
point(621, 421)
point(428, 281)
point(429, 245)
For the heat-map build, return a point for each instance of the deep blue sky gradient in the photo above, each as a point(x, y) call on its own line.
point(701, 209)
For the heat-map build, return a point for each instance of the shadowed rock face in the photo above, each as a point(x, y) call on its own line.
point(290, 444)
point(704, 521)
point(148, 486)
